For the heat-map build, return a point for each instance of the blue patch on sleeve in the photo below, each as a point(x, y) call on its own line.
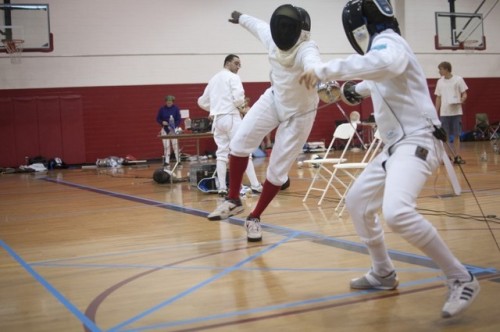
point(379, 47)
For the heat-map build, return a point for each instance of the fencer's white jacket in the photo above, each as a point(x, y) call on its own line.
point(290, 97)
point(396, 82)
point(217, 100)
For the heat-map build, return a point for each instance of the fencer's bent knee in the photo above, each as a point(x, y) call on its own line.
point(412, 226)
point(222, 158)
point(373, 241)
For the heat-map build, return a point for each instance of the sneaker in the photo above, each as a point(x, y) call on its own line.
point(458, 160)
point(229, 208)
point(254, 230)
point(245, 191)
point(222, 192)
point(460, 296)
point(257, 190)
point(373, 281)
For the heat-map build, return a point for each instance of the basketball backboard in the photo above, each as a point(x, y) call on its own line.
point(459, 31)
point(27, 22)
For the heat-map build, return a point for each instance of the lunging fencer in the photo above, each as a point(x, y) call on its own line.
point(410, 128)
point(290, 52)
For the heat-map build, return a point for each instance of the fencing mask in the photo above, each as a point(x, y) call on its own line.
point(161, 176)
point(287, 23)
point(362, 19)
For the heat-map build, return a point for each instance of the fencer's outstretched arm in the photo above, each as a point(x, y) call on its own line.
point(386, 59)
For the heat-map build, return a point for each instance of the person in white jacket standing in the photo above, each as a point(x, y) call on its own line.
point(286, 105)
point(224, 98)
point(410, 128)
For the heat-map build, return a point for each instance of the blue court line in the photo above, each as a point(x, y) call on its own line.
point(274, 229)
point(199, 285)
point(281, 306)
point(173, 207)
point(323, 239)
point(212, 268)
point(87, 322)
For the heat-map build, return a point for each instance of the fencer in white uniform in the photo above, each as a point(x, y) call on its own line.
point(286, 105)
point(224, 98)
point(409, 126)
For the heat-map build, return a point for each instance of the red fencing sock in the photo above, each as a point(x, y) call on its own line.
point(268, 193)
point(237, 167)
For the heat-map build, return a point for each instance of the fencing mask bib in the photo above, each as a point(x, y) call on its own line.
point(287, 23)
point(364, 18)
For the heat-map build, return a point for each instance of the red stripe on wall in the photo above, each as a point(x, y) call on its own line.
point(98, 122)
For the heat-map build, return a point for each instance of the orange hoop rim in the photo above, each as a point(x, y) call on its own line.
point(13, 45)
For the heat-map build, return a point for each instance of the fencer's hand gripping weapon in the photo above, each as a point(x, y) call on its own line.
point(331, 93)
point(349, 95)
point(235, 17)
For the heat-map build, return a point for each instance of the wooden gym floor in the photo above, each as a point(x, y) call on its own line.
point(110, 250)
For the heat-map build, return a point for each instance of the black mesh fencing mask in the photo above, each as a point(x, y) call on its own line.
point(287, 23)
point(363, 18)
point(161, 176)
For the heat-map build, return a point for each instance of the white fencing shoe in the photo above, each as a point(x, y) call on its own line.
point(254, 230)
point(460, 296)
point(373, 281)
point(228, 208)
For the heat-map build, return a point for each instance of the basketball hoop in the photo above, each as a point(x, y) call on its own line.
point(470, 46)
point(14, 47)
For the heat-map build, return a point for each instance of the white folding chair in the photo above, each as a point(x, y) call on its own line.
point(344, 132)
point(494, 130)
point(352, 169)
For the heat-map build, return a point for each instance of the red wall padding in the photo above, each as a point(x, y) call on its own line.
point(49, 127)
point(7, 131)
point(83, 124)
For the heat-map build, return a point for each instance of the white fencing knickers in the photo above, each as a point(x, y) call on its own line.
point(289, 140)
point(166, 147)
point(393, 181)
point(224, 127)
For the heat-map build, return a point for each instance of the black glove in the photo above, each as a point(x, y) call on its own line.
point(235, 17)
point(349, 94)
point(440, 134)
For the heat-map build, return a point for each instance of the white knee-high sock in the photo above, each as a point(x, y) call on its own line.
point(382, 263)
point(167, 151)
point(221, 174)
point(439, 252)
point(175, 146)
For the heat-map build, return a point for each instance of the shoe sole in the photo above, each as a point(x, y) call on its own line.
point(376, 287)
point(250, 239)
point(233, 212)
